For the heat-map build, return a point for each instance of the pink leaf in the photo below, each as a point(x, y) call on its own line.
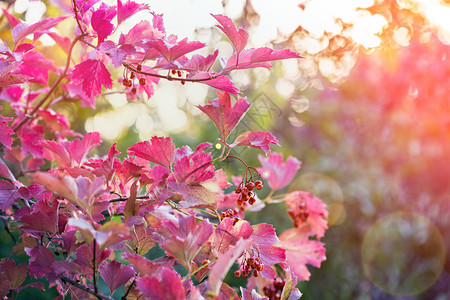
point(237, 37)
point(101, 21)
point(8, 194)
point(264, 237)
point(306, 208)
point(160, 151)
point(301, 251)
point(165, 285)
point(201, 63)
point(186, 237)
point(173, 50)
point(126, 10)
point(227, 233)
point(140, 31)
point(145, 266)
point(20, 31)
point(224, 263)
point(13, 21)
point(223, 115)
point(194, 195)
point(196, 167)
point(257, 57)
point(78, 149)
point(5, 131)
point(220, 82)
point(278, 173)
point(256, 139)
point(92, 74)
point(117, 54)
point(115, 274)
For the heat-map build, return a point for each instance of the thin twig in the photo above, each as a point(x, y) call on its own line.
point(94, 268)
point(84, 288)
point(124, 297)
point(168, 77)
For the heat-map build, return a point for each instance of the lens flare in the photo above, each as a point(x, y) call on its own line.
point(403, 254)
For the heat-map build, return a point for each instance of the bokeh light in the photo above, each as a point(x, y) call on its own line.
point(403, 254)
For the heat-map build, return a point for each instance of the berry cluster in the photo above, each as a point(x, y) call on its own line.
point(179, 74)
point(246, 192)
point(274, 289)
point(228, 213)
point(251, 265)
point(300, 215)
point(129, 82)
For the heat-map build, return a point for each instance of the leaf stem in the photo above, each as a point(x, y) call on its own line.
point(94, 268)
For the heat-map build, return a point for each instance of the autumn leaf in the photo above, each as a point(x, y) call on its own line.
point(159, 151)
point(278, 173)
point(115, 274)
point(237, 37)
point(91, 74)
point(223, 114)
point(256, 139)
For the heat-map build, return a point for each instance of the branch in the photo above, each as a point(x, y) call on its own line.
point(53, 88)
point(84, 288)
point(121, 199)
point(168, 77)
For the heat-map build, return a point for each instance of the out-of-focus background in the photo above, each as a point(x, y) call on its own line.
point(367, 110)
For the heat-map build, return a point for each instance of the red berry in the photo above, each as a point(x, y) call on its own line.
point(205, 261)
point(132, 75)
point(237, 273)
point(179, 73)
point(174, 72)
point(134, 91)
point(255, 273)
point(238, 190)
point(250, 186)
point(183, 82)
point(251, 201)
point(139, 67)
point(142, 81)
point(223, 215)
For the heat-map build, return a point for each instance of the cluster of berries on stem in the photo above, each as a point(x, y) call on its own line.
point(230, 213)
point(129, 82)
point(274, 289)
point(250, 266)
point(179, 74)
point(300, 215)
point(247, 192)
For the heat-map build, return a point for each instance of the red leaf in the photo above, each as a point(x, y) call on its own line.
point(14, 273)
point(115, 274)
point(224, 263)
point(20, 31)
point(165, 285)
point(227, 234)
point(92, 74)
point(257, 57)
point(220, 82)
point(145, 266)
point(8, 194)
point(186, 237)
point(40, 262)
point(256, 139)
point(124, 11)
point(160, 151)
point(116, 54)
point(5, 131)
point(223, 115)
point(317, 211)
point(201, 63)
point(78, 149)
point(193, 195)
point(140, 31)
point(301, 251)
point(101, 21)
point(237, 37)
point(264, 237)
point(13, 21)
point(278, 173)
point(43, 217)
point(195, 167)
point(171, 50)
